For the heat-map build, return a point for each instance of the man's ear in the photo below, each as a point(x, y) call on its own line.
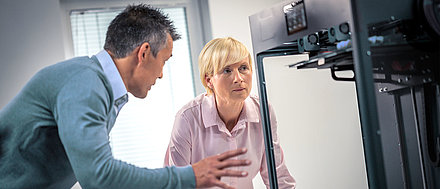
point(144, 51)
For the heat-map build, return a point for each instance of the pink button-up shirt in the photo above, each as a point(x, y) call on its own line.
point(199, 133)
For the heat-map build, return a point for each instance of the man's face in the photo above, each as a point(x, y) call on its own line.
point(151, 68)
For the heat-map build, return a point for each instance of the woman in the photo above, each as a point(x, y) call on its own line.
point(225, 117)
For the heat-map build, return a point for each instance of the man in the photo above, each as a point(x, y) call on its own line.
point(55, 131)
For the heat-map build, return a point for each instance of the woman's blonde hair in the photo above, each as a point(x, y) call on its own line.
point(219, 53)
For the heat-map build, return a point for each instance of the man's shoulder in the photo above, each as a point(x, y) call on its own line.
point(75, 67)
point(80, 72)
point(82, 62)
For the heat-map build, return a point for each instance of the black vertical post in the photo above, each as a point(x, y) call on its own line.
point(265, 116)
point(366, 96)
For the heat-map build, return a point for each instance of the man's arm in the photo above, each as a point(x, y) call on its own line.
point(82, 112)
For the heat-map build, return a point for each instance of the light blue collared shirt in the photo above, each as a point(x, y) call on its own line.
point(114, 77)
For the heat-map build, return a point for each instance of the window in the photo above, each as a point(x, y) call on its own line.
point(142, 130)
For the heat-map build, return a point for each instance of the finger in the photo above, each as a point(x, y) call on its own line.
point(222, 184)
point(233, 163)
point(231, 173)
point(232, 153)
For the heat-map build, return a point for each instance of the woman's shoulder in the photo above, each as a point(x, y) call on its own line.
point(254, 99)
point(194, 104)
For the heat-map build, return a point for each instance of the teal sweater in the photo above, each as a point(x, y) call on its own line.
point(55, 132)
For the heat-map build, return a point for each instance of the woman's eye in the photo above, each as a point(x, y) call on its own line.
point(226, 71)
point(244, 68)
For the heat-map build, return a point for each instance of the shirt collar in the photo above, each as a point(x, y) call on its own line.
point(250, 112)
point(112, 74)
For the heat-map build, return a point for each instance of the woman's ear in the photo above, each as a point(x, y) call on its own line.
point(208, 81)
point(144, 51)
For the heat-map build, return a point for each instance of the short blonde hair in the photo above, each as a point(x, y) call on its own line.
point(219, 53)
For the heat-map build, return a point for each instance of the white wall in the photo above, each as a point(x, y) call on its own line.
point(30, 39)
point(35, 34)
point(230, 18)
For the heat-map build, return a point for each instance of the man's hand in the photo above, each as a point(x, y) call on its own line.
point(209, 170)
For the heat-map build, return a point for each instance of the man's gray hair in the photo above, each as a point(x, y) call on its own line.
point(136, 25)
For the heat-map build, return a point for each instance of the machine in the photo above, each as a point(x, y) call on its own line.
point(393, 49)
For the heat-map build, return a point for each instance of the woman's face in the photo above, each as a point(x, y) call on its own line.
point(233, 83)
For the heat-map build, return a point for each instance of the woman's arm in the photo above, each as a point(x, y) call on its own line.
point(179, 148)
point(285, 180)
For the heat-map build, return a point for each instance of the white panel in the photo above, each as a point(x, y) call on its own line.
point(318, 125)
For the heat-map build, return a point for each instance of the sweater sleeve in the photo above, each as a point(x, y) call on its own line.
point(82, 111)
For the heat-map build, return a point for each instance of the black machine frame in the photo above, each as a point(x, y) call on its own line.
point(394, 52)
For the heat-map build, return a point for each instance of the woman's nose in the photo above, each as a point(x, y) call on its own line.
point(237, 76)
